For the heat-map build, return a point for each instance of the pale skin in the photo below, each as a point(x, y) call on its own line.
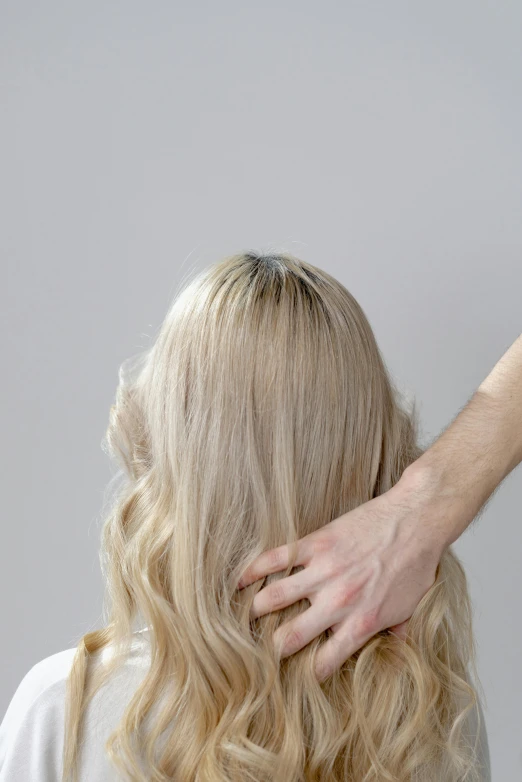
point(367, 570)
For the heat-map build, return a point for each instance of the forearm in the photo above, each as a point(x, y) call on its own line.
point(476, 451)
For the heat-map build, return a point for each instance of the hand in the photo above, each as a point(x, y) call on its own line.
point(364, 572)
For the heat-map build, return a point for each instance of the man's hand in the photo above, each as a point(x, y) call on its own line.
point(364, 572)
point(368, 570)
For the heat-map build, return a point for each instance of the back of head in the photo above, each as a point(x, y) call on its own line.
point(263, 411)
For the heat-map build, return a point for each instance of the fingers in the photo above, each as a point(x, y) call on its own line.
point(297, 633)
point(273, 561)
point(281, 594)
point(348, 639)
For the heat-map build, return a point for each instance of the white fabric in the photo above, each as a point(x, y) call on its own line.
point(31, 733)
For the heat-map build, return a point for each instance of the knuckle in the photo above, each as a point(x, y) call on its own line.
point(293, 641)
point(346, 594)
point(277, 595)
point(275, 559)
point(321, 544)
point(368, 623)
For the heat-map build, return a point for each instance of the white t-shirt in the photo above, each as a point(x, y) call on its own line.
point(31, 733)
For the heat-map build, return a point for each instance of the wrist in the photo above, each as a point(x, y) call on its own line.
point(427, 485)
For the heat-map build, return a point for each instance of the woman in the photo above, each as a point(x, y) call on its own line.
point(262, 411)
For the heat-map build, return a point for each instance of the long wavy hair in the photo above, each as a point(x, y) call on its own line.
point(263, 411)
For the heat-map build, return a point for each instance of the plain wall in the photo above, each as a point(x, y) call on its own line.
point(378, 140)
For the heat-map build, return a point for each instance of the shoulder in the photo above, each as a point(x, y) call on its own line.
point(31, 732)
point(48, 672)
point(46, 680)
point(33, 721)
point(39, 683)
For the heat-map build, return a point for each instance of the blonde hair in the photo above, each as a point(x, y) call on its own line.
point(262, 411)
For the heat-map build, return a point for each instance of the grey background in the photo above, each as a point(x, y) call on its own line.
point(378, 140)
